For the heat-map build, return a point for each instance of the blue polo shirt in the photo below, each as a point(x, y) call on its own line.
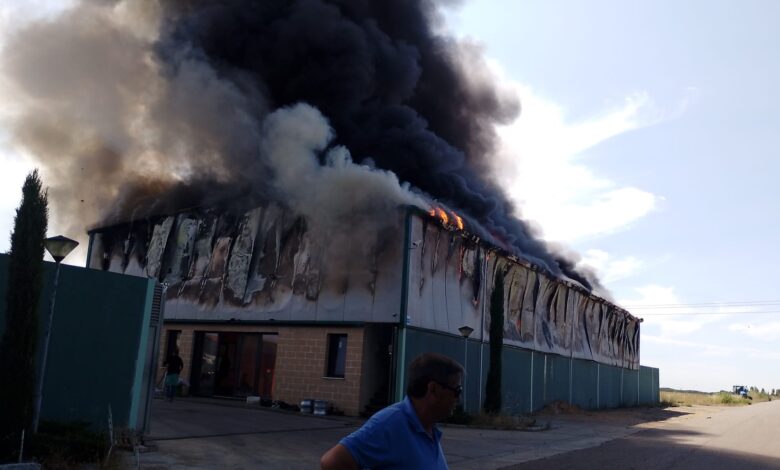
point(395, 438)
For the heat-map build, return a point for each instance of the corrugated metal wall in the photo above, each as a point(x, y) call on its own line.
point(531, 380)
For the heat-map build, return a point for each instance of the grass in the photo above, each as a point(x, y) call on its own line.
point(491, 421)
point(69, 446)
point(670, 397)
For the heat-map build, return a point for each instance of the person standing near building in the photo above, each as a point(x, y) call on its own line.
point(174, 366)
point(405, 435)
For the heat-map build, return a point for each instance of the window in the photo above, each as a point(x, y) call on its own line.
point(337, 355)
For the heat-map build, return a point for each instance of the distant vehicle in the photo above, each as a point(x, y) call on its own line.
point(741, 390)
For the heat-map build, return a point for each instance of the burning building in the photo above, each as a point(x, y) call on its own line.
point(253, 157)
point(260, 304)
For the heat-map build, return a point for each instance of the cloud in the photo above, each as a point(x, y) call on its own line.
point(768, 331)
point(15, 169)
point(651, 303)
point(713, 350)
point(540, 163)
point(664, 311)
point(610, 268)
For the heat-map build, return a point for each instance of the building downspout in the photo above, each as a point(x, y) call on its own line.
point(598, 385)
point(482, 326)
point(571, 359)
point(531, 407)
point(400, 356)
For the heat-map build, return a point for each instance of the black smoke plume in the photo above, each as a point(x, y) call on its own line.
point(397, 93)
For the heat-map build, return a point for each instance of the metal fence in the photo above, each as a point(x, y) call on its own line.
point(531, 380)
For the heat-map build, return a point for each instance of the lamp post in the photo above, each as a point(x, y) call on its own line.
point(58, 247)
point(465, 331)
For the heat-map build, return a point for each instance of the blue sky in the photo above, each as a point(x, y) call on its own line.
point(646, 144)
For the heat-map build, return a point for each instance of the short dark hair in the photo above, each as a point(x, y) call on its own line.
point(430, 367)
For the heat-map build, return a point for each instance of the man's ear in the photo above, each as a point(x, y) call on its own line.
point(432, 387)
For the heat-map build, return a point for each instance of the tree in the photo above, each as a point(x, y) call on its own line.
point(493, 385)
point(19, 345)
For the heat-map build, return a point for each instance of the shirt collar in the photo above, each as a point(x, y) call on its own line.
point(411, 415)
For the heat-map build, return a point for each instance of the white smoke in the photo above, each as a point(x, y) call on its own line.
point(333, 194)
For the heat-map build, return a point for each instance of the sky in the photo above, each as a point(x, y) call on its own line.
point(646, 143)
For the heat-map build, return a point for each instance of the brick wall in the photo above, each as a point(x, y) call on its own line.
point(301, 366)
point(301, 361)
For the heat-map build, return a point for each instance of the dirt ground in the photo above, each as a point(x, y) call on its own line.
point(643, 417)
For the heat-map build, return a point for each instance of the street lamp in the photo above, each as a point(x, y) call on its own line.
point(465, 331)
point(58, 247)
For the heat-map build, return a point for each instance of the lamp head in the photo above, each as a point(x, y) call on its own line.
point(465, 331)
point(59, 247)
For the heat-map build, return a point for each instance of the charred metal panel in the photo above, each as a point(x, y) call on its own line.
point(265, 264)
point(97, 246)
point(451, 278)
point(241, 259)
point(444, 279)
point(544, 333)
point(157, 247)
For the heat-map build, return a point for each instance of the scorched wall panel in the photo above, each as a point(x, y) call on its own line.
point(265, 264)
point(452, 275)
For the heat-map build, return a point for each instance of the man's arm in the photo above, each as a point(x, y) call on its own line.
point(338, 458)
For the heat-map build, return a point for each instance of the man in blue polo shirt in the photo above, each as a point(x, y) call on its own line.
point(404, 435)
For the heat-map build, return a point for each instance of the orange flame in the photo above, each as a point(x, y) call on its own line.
point(443, 215)
point(458, 221)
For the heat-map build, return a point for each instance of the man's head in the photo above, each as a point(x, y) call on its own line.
point(435, 380)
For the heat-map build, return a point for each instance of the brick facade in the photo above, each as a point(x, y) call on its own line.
point(301, 361)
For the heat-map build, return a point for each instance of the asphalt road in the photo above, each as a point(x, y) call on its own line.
point(746, 437)
point(206, 434)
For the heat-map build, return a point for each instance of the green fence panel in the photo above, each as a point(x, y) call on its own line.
point(647, 394)
point(537, 380)
point(95, 347)
point(609, 386)
point(557, 378)
point(516, 381)
point(584, 384)
point(656, 385)
point(630, 387)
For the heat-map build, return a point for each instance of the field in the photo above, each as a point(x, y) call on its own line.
point(671, 397)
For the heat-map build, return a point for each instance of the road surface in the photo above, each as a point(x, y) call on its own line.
point(745, 437)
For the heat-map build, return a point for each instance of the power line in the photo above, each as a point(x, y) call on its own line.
point(763, 303)
point(767, 312)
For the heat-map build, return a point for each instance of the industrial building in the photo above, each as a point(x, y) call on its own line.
point(265, 303)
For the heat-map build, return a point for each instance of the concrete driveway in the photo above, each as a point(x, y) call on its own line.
point(209, 434)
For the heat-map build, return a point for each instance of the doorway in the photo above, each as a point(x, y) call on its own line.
point(231, 364)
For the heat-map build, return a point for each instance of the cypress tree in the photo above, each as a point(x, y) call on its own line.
point(493, 385)
point(19, 342)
